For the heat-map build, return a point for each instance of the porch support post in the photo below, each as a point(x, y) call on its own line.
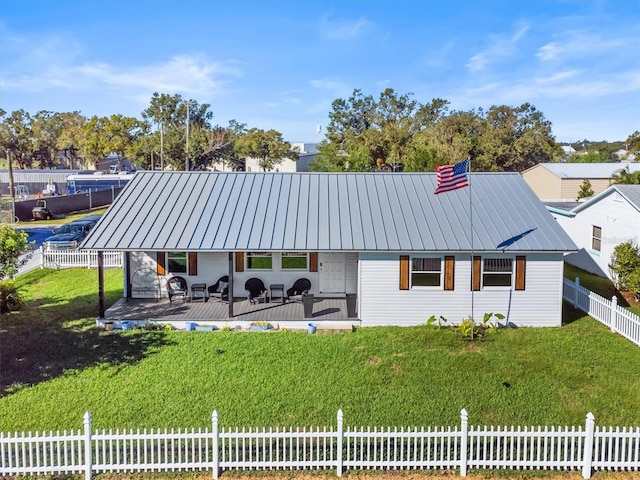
point(127, 274)
point(100, 285)
point(230, 284)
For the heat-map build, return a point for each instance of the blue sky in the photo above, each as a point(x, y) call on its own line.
point(280, 64)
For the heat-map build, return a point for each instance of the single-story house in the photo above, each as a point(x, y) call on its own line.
point(405, 252)
point(600, 223)
point(562, 181)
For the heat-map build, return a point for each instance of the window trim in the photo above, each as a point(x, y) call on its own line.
point(440, 272)
point(249, 255)
point(294, 254)
point(175, 255)
point(596, 238)
point(511, 273)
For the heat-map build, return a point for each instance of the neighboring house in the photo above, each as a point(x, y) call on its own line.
point(599, 224)
point(306, 154)
point(562, 181)
point(386, 237)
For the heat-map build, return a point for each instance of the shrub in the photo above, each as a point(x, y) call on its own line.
point(625, 266)
point(12, 244)
point(10, 298)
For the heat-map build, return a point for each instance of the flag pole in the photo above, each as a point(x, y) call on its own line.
point(472, 252)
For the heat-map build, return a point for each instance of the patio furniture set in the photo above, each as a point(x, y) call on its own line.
point(255, 288)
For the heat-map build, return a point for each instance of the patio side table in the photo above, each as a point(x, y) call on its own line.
point(277, 291)
point(199, 290)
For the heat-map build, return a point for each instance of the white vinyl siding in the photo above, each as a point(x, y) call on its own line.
point(381, 303)
point(619, 222)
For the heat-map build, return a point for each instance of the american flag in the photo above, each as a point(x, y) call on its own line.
point(452, 177)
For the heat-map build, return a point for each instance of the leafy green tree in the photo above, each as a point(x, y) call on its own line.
point(396, 132)
point(593, 156)
point(632, 143)
point(169, 115)
point(267, 146)
point(13, 243)
point(625, 266)
point(70, 137)
point(15, 131)
point(586, 190)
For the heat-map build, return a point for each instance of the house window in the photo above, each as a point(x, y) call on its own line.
point(596, 238)
point(294, 261)
point(177, 262)
point(426, 272)
point(259, 261)
point(497, 272)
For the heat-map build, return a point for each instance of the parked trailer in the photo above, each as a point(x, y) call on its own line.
point(84, 183)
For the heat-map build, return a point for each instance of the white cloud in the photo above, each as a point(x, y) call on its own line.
point(344, 29)
point(499, 46)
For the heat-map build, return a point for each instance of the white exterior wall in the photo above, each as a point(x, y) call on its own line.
point(620, 222)
point(212, 266)
point(381, 301)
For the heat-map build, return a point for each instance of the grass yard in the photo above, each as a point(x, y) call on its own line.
point(55, 365)
point(602, 286)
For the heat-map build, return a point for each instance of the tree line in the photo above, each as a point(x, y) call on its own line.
point(393, 132)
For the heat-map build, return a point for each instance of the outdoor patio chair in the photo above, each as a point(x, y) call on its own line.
point(256, 291)
point(299, 288)
point(177, 286)
point(220, 289)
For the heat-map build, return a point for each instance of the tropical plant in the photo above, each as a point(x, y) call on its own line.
point(10, 298)
point(433, 319)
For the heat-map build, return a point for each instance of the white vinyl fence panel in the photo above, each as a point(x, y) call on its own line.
point(224, 449)
point(608, 312)
point(79, 259)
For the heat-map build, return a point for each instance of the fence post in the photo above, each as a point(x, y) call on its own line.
point(575, 292)
point(587, 459)
point(340, 440)
point(614, 314)
point(464, 439)
point(216, 441)
point(87, 446)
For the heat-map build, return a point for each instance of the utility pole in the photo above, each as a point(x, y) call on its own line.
point(162, 145)
point(188, 103)
point(12, 190)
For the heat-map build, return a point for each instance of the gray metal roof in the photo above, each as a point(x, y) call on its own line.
point(630, 192)
point(236, 211)
point(587, 170)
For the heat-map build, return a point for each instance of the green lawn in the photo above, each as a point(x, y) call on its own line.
point(56, 365)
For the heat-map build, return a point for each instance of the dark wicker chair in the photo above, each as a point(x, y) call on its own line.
point(220, 289)
point(299, 288)
point(256, 291)
point(176, 287)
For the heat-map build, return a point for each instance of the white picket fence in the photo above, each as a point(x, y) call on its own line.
point(617, 318)
point(340, 449)
point(78, 259)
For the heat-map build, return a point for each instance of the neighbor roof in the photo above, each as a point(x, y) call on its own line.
point(586, 170)
point(236, 211)
point(629, 192)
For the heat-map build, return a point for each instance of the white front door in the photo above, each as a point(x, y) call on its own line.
point(332, 272)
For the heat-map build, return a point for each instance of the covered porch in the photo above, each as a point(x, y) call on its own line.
point(328, 313)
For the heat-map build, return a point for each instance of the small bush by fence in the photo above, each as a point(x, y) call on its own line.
point(332, 448)
point(608, 312)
